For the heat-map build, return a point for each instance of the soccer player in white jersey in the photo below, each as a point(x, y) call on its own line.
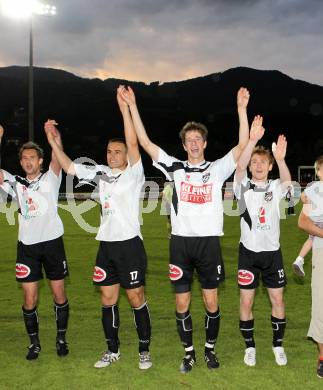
point(121, 258)
point(259, 250)
point(197, 221)
point(40, 242)
point(311, 220)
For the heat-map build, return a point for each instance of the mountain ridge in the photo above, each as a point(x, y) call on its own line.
point(88, 113)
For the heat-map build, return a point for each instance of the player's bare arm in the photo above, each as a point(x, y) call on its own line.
point(243, 96)
point(256, 133)
point(279, 152)
point(129, 130)
point(152, 149)
point(64, 161)
point(304, 221)
point(50, 126)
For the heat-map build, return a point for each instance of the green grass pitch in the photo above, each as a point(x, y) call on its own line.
point(86, 338)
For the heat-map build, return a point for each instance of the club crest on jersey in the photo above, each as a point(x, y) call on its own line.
point(22, 271)
point(245, 277)
point(187, 177)
point(175, 272)
point(99, 274)
point(268, 196)
point(206, 177)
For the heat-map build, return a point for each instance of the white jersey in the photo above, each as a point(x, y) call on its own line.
point(37, 200)
point(197, 209)
point(260, 214)
point(119, 198)
point(314, 193)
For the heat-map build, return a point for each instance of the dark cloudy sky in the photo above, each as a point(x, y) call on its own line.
point(172, 39)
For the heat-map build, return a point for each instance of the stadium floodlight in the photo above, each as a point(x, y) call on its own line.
point(22, 9)
point(26, 9)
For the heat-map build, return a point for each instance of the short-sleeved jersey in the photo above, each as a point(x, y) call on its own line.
point(119, 196)
point(314, 193)
point(197, 209)
point(260, 214)
point(37, 201)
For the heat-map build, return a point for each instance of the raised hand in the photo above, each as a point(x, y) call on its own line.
point(243, 96)
point(51, 131)
point(279, 148)
point(256, 131)
point(129, 96)
point(123, 105)
point(1, 131)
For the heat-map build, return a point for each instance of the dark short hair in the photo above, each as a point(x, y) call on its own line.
point(262, 151)
point(118, 140)
point(31, 145)
point(193, 126)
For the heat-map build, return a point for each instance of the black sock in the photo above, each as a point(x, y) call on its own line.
point(247, 329)
point(31, 323)
point(185, 330)
point(143, 326)
point(61, 315)
point(111, 323)
point(278, 325)
point(212, 326)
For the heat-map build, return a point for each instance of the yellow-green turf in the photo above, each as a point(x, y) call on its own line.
point(85, 334)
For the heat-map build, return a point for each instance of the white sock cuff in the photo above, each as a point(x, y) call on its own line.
point(140, 307)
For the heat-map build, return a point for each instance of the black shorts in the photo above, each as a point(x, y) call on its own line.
point(200, 253)
point(123, 262)
point(268, 263)
point(31, 258)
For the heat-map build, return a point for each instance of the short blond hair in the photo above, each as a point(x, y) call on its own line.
point(262, 151)
point(193, 126)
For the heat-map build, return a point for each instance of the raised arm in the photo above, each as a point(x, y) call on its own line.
point(256, 133)
point(1, 133)
point(62, 159)
point(279, 152)
point(242, 103)
point(50, 126)
point(129, 130)
point(149, 147)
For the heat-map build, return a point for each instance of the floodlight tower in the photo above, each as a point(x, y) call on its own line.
point(26, 9)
